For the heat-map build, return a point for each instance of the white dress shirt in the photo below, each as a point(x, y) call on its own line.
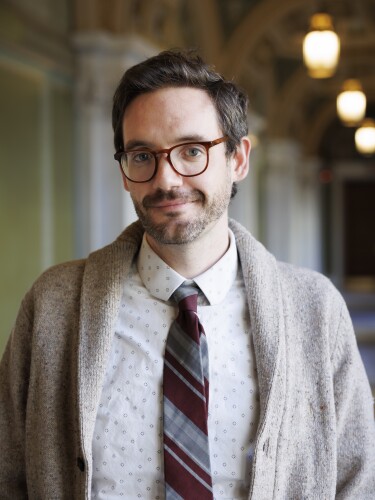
point(128, 434)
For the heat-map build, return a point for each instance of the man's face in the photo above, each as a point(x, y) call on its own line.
point(175, 209)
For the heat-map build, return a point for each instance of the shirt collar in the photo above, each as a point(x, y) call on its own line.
point(161, 280)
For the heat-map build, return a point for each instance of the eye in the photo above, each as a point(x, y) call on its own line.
point(193, 151)
point(140, 157)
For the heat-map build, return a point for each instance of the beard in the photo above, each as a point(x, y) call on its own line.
point(180, 232)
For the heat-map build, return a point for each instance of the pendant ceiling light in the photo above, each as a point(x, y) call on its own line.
point(351, 103)
point(365, 137)
point(321, 47)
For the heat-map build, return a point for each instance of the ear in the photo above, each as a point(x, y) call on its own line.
point(240, 160)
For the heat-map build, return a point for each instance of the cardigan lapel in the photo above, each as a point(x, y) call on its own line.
point(100, 299)
point(265, 299)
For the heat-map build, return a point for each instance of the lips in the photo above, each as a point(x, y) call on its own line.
point(171, 199)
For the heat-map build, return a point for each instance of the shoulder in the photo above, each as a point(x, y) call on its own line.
point(302, 279)
point(57, 288)
point(302, 285)
point(61, 276)
point(311, 294)
point(69, 275)
point(65, 281)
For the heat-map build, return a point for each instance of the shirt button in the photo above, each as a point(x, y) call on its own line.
point(80, 464)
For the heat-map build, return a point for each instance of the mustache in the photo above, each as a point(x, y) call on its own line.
point(160, 196)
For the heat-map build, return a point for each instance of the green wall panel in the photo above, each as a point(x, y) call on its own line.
point(36, 182)
point(19, 191)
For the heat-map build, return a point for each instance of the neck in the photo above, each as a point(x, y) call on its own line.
point(194, 258)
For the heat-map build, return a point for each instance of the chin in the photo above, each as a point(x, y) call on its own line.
point(175, 233)
point(177, 228)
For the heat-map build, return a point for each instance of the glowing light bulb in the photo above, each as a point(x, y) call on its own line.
point(321, 47)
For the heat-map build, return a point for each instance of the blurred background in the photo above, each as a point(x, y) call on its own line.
point(310, 196)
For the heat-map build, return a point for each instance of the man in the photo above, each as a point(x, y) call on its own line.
point(82, 409)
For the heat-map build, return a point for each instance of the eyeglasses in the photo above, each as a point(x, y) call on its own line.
point(188, 159)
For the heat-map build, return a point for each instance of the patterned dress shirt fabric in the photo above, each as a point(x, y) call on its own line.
point(127, 440)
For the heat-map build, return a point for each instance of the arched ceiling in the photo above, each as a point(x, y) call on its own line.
point(259, 43)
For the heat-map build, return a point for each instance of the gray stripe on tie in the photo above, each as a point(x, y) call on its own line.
point(181, 377)
point(204, 354)
point(185, 350)
point(184, 291)
point(185, 434)
point(186, 467)
point(171, 494)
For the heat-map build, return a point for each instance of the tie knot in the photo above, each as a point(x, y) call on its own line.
point(186, 297)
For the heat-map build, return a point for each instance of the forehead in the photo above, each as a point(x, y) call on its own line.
point(170, 113)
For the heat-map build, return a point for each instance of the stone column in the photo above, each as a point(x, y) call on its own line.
point(103, 207)
point(292, 229)
point(310, 220)
point(244, 207)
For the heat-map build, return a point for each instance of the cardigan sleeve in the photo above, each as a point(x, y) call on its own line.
point(14, 376)
point(355, 426)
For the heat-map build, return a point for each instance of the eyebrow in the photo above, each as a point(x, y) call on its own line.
point(137, 144)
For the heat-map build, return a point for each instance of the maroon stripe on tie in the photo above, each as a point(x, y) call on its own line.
point(183, 475)
point(189, 303)
point(187, 318)
point(186, 374)
point(175, 391)
point(187, 460)
point(186, 487)
point(206, 391)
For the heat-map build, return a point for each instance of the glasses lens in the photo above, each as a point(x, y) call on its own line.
point(189, 159)
point(138, 166)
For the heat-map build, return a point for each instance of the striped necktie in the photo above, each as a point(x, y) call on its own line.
point(185, 384)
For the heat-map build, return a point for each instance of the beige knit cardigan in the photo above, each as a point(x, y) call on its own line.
point(316, 436)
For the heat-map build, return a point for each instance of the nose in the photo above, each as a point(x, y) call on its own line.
point(166, 177)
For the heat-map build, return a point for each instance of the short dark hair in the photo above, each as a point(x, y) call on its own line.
point(176, 68)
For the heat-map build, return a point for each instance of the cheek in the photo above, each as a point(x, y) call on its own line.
point(125, 182)
point(216, 175)
point(138, 192)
